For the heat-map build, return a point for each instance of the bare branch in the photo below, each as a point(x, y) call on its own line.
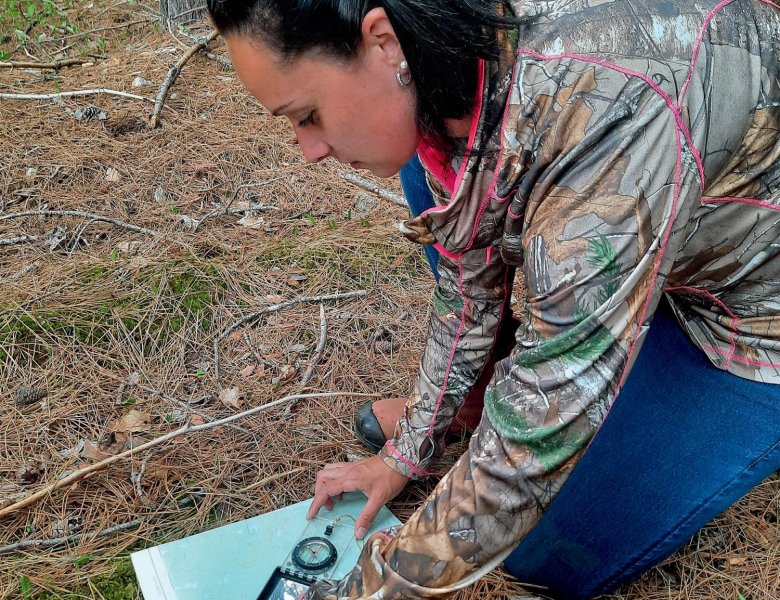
point(273, 308)
point(51, 542)
point(72, 94)
point(173, 74)
point(318, 350)
point(22, 239)
point(372, 187)
point(56, 65)
point(91, 216)
point(185, 430)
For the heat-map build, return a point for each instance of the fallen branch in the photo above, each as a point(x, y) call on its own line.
point(91, 216)
point(72, 94)
point(99, 29)
point(58, 541)
point(370, 186)
point(273, 308)
point(318, 350)
point(186, 429)
point(56, 65)
point(188, 407)
point(22, 239)
point(173, 74)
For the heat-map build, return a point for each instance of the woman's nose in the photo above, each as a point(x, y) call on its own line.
point(313, 148)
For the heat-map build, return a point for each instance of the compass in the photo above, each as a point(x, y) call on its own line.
point(314, 554)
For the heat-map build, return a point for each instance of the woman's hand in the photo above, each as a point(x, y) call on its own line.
point(372, 476)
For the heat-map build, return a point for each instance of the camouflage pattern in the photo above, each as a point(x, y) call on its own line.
point(624, 150)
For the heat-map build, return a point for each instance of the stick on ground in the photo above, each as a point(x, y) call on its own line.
point(273, 308)
point(186, 429)
point(56, 65)
point(86, 215)
point(173, 74)
point(372, 187)
point(72, 94)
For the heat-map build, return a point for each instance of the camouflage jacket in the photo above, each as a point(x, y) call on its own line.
point(623, 150)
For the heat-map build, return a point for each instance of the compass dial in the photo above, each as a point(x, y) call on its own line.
point(314, 554)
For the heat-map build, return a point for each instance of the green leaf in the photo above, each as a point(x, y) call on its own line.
point(83, 560)
point(21, 36)
point(115, 254)
point(25, 586)
point(30, 10)
point(200, 373)
point(130, 401)
point(4, 55)
point(740, 596)
point(332, 224)
point(310, 218)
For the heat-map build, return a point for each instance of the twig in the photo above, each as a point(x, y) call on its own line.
point(56, 65)
point(273, 308)
point(256, 354)
point(49, 543)
point(112, 27)
point(187, 12)
point(372, 187)
point(136, 479)
point(226, 209)
point(188, 407)
point(173, 74)
point(186, 429)
point(318, 350)
point(77, 236)
point(86, 215)
point(22, 239)
point(72, 94)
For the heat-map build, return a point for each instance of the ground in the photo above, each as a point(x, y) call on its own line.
point(108, 329)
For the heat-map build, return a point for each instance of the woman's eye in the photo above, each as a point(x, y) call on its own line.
point(307, 121)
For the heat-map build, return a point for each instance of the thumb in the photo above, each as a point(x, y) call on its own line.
point(367, 516)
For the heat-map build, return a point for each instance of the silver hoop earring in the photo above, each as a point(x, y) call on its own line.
point(402, 75)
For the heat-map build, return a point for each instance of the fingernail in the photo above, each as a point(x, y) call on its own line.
point(360, 533)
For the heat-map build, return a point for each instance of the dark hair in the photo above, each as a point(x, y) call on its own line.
point(442, 41)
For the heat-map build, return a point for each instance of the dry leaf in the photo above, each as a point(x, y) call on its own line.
point(236, 335)
point(286, 373)
point(93, 452)
point(113, 176)
point(133, 421)
point(231, 397)
point(274, 298)
point(196, 420)
point(252, 222)
point(129, 247)
point(247, 371)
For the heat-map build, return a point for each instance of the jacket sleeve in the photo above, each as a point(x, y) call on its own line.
point(599, 219)
point(468, 305)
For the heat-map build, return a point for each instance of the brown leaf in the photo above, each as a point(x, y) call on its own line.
point(133, 421)
point(92, 451)
point(247, 371)
point(231, 397)
point(197, 420)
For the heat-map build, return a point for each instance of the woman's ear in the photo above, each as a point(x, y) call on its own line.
point(379, 37)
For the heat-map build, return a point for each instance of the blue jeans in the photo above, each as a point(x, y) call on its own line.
point(419, 199)
point(683, 441)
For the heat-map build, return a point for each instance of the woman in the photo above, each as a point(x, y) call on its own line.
point(623, 155)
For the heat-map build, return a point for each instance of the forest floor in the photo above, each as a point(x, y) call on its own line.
point(127, 291)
